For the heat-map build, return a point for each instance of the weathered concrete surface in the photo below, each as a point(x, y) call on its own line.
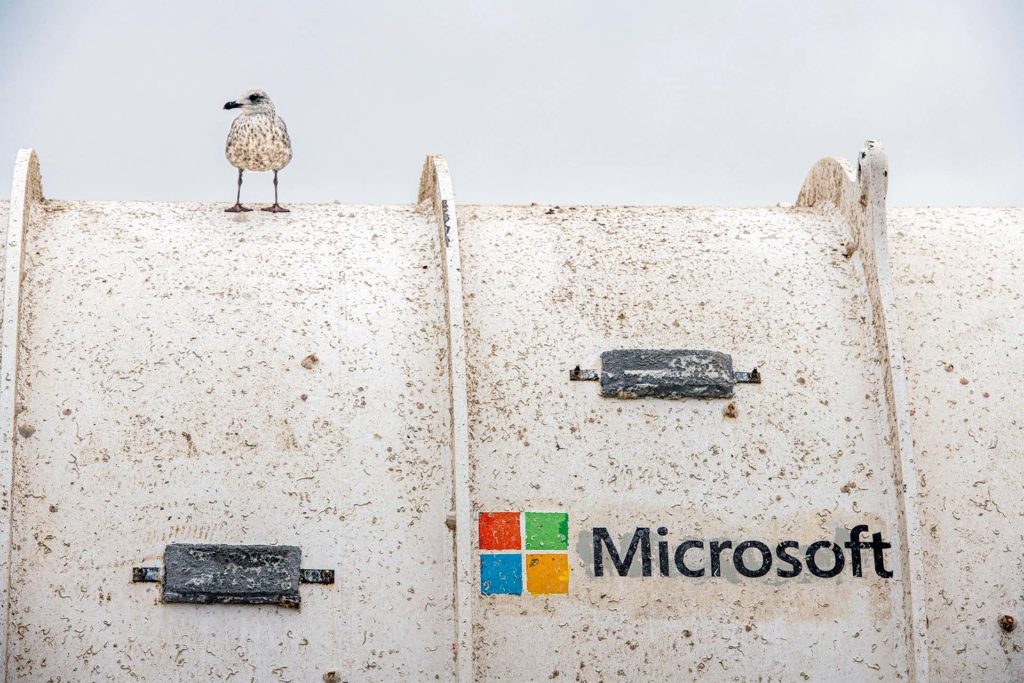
point(960, 290)
point(806, 458)
point(193, 376)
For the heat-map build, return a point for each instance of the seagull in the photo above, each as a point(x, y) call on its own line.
point(258, 141)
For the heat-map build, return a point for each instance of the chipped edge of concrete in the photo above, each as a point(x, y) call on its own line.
point(26, 189)
point(859, 197)
point(436, 188)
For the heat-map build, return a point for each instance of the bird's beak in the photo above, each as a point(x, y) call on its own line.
point(232, 105)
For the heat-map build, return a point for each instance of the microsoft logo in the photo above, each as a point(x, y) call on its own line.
point(503, 537)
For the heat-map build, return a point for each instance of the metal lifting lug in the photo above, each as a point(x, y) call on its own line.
point(232, 574)
point(661, 373)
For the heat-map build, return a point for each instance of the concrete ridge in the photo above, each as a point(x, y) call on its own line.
point(859, 197)
point(436, 190)
point(26, 190)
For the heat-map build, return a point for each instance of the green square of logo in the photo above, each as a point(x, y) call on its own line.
point(547, 531)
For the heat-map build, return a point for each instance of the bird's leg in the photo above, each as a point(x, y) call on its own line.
point(237, 208)
point(276, 208)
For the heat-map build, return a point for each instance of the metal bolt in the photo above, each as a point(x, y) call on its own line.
point(1007, 623)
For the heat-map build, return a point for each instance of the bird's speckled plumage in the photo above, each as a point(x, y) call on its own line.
point(258, 139)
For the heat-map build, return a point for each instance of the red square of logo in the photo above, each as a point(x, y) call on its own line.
point(500, 531)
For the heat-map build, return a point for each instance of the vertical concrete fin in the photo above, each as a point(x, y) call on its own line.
point(436, 188)
point(26, 189)
point(859, 197)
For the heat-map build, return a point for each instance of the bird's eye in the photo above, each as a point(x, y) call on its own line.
point(255, 98)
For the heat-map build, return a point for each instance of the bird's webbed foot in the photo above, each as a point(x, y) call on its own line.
point(276, 208)
point(237, 208)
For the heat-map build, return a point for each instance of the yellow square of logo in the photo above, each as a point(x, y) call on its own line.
point(548, 573)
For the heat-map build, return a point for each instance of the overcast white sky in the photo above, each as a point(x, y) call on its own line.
point(668, 102)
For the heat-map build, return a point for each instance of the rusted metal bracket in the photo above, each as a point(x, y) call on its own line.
point(145, 574)
point(322, 576)
point(752, 377)
point(232, 574)
point(152, 575)
point(661, 373)
point(578, 374)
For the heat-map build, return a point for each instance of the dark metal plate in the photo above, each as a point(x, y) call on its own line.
point(232, 574)
point(677, 373)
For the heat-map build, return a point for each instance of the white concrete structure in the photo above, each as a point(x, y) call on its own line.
point(388, 389)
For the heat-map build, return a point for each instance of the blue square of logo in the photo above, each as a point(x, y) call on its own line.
point(501, 574)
